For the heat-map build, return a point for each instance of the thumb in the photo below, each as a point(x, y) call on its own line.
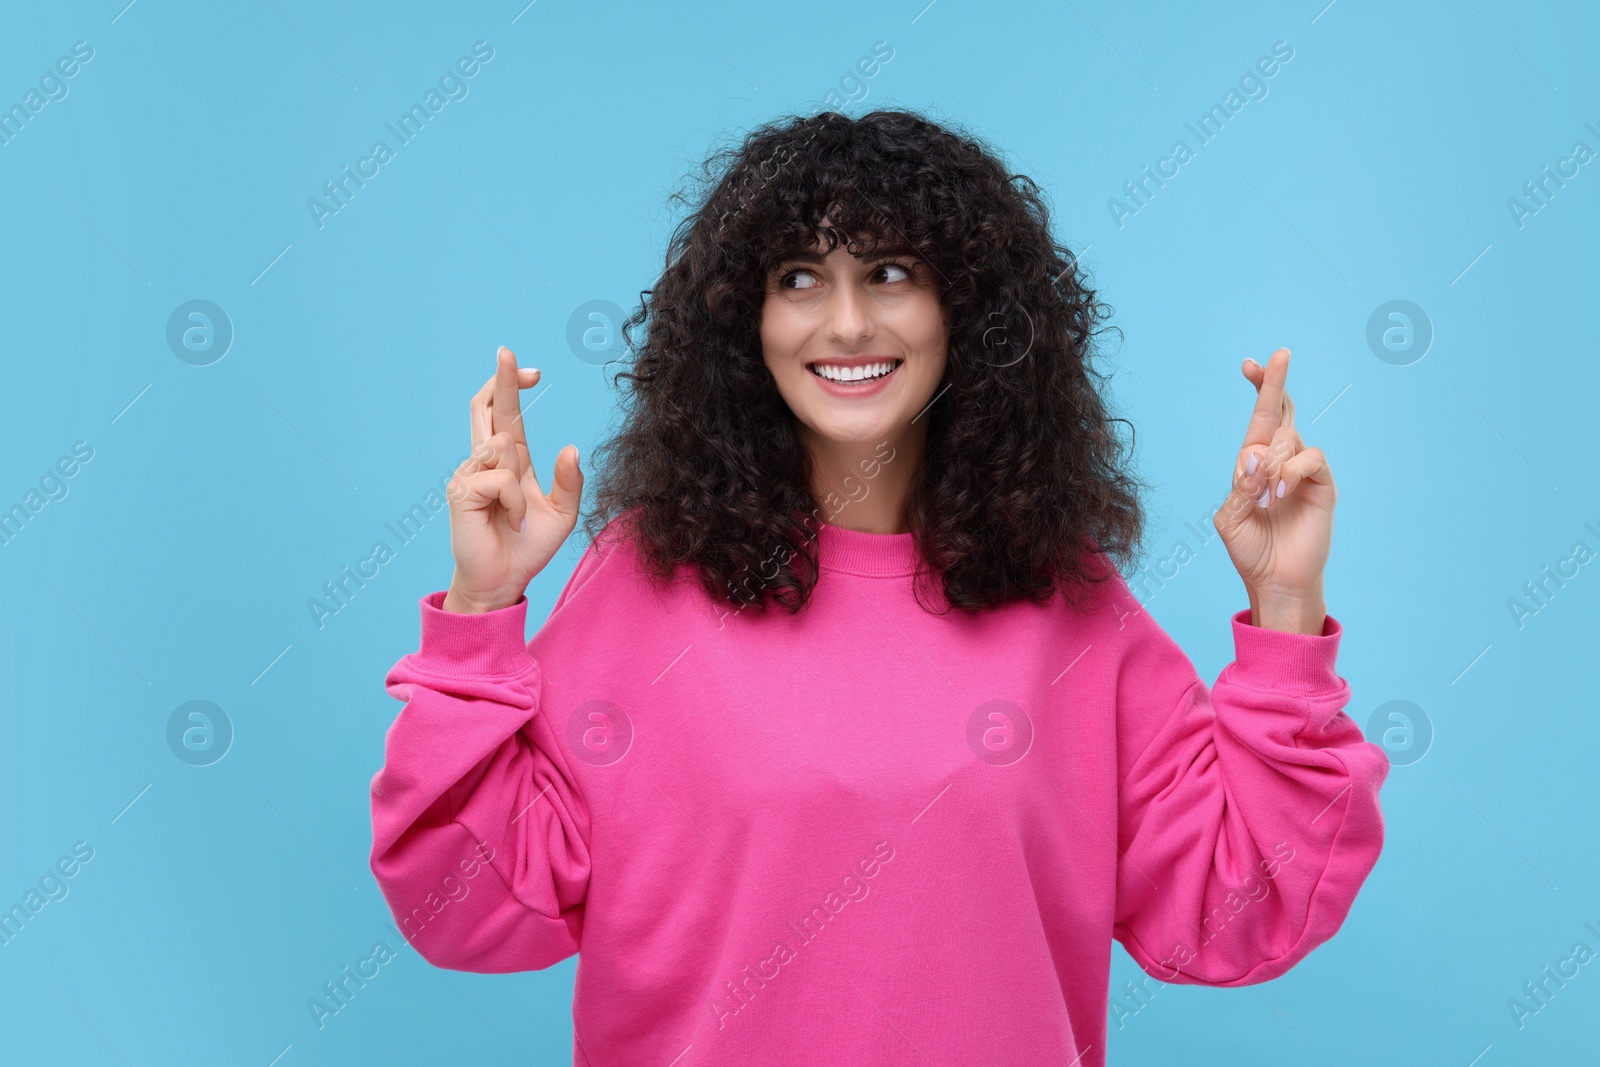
point(566, 482)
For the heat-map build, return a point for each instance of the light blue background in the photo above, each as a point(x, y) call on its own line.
point(221, 498)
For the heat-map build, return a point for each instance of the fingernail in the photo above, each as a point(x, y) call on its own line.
point(524, 527)
point(1281, 484)
point(1250, 464)
point(1252, 362)
point(1266, 497)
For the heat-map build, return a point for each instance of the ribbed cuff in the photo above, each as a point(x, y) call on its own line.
point(491, 643)
point(1277, 660)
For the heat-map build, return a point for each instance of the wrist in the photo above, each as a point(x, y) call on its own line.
point(1303, 611)
point(464, 603)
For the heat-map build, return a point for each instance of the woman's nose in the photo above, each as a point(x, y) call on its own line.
point(849, 315)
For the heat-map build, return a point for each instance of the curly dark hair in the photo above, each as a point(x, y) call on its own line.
point(1022, 489)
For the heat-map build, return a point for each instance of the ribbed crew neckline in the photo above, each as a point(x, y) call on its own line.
point(874, 555)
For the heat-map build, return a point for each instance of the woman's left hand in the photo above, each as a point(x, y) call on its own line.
point(1277, 523)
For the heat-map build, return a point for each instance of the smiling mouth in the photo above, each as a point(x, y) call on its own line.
point(870, 372)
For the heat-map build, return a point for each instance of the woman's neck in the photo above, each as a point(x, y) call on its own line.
point(864, 486)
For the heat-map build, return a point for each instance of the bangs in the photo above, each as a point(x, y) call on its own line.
point(865, 234)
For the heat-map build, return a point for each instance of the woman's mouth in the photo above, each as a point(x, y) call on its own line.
point(855, 377)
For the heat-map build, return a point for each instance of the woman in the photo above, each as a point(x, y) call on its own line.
point(846, 742)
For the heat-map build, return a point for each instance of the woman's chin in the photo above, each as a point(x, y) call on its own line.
point(857, 432)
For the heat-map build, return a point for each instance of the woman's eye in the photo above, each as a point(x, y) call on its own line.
point(891, 268)
point(794, 278)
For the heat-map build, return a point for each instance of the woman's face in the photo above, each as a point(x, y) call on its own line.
point(840, 317)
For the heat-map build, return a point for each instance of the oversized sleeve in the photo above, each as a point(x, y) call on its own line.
point(479, 837)
point(1248, 812)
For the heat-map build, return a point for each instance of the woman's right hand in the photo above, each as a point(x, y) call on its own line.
point(503, 527)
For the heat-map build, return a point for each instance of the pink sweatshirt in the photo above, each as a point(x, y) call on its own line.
point(864, 834)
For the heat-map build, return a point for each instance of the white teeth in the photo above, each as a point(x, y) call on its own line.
point(852, 374)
